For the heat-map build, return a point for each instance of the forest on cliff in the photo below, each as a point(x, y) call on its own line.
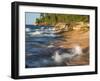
point(53, 19)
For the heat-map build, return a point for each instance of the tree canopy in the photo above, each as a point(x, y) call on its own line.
point(52, 19)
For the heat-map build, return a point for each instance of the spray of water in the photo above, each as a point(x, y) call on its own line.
point(58, 58)
point(77, 50)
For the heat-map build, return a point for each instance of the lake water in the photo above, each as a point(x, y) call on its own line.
point(39, 46)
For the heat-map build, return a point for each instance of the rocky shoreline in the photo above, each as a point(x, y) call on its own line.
point(73, 38)
point(76, 33)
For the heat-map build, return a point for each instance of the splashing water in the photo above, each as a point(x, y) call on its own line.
point(27, 29)
point(77, 50)
point(58, 58)
point(36, 33)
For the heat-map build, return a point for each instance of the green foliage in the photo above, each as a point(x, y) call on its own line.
point(52, 19)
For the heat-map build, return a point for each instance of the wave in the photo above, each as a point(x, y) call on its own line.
point(65, 56)
point(42, 34)
point(27, 29)
point(35, 33)
point(50, 46)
